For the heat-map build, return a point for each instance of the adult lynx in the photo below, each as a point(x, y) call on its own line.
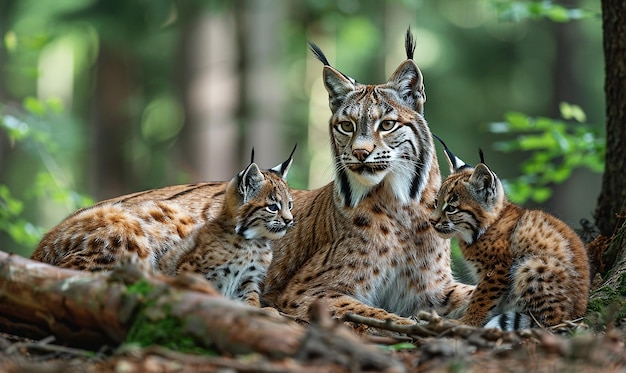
point(363, 243)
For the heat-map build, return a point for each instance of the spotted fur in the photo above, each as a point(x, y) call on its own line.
point(363, 243)
point(220, 230)
point(526, 261)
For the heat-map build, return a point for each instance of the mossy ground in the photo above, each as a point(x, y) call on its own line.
point(155, 325)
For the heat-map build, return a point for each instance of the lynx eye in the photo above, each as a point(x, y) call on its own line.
point(272, 208)
point(346, 127)
point(388, 125)
point(290, 205)
point(450, 209)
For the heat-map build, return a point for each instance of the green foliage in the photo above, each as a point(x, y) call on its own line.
point(557, 148)
point(154, 325)
point(26, 129)
point(607, 303)
point(516, 11)
point(400, 346)
point(167, 331)
point(141, 287)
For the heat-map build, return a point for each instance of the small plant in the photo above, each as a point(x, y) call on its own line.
point(515, 11)
point(29, 129)
point(557, 148)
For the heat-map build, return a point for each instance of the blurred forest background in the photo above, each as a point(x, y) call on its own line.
point(100, 98)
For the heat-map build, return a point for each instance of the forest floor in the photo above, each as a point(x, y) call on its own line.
point(441, 346)
point(230, 337)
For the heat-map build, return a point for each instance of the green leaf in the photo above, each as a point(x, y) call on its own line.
point(558, 14)
point(532, 142)
point(10, 205)
point(517, 121)
point(34, 106)
point(541, 194)
point(557, 148)
point(575, 112)
point(401, 346)
point(10, 41)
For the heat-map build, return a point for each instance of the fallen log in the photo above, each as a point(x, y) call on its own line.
point(89, 310)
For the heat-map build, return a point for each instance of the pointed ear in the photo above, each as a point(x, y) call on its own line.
point(338, 86)
point(407, 80)
point(250, 181)
point(283, 168)
point(484, 182)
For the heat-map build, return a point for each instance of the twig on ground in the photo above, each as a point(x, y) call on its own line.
point(415, 330)
point(47, 346)
point(432, 325)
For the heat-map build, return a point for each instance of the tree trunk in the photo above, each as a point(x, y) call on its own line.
point(608, 302)
point(610, 209)
point(261, 90)
point(210, 84)
point(112, 125)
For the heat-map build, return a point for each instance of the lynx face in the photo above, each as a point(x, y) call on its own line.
point(378, 134)
point(371, 149)
point(466, 202)
point(266, 209)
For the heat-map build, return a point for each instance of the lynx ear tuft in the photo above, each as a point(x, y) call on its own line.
point(409, 44)
point(455, 163)
point(283, 168)
point(336, 83)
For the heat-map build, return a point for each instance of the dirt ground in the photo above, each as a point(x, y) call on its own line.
point(443, 348)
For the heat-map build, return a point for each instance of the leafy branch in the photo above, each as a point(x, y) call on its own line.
point(558, 147)
point(515, 11)
point(29, 128)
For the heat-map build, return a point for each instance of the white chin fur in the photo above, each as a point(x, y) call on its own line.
point(368, 179)
point(274, 235)
point(258, 233)
point(466, 236)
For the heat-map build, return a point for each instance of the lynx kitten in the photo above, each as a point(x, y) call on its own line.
point(220, 230)
point(527, 261)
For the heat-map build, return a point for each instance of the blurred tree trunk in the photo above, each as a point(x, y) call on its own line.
point(233, 95)
point(112, 129)
point(261, 85)
point(210, 94)
point(610, 209)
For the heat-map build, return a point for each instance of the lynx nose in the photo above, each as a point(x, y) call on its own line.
point(361, 154)
point(287, 217)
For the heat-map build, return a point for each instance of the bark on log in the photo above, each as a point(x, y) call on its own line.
point(87, 309)
point(608, 301)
